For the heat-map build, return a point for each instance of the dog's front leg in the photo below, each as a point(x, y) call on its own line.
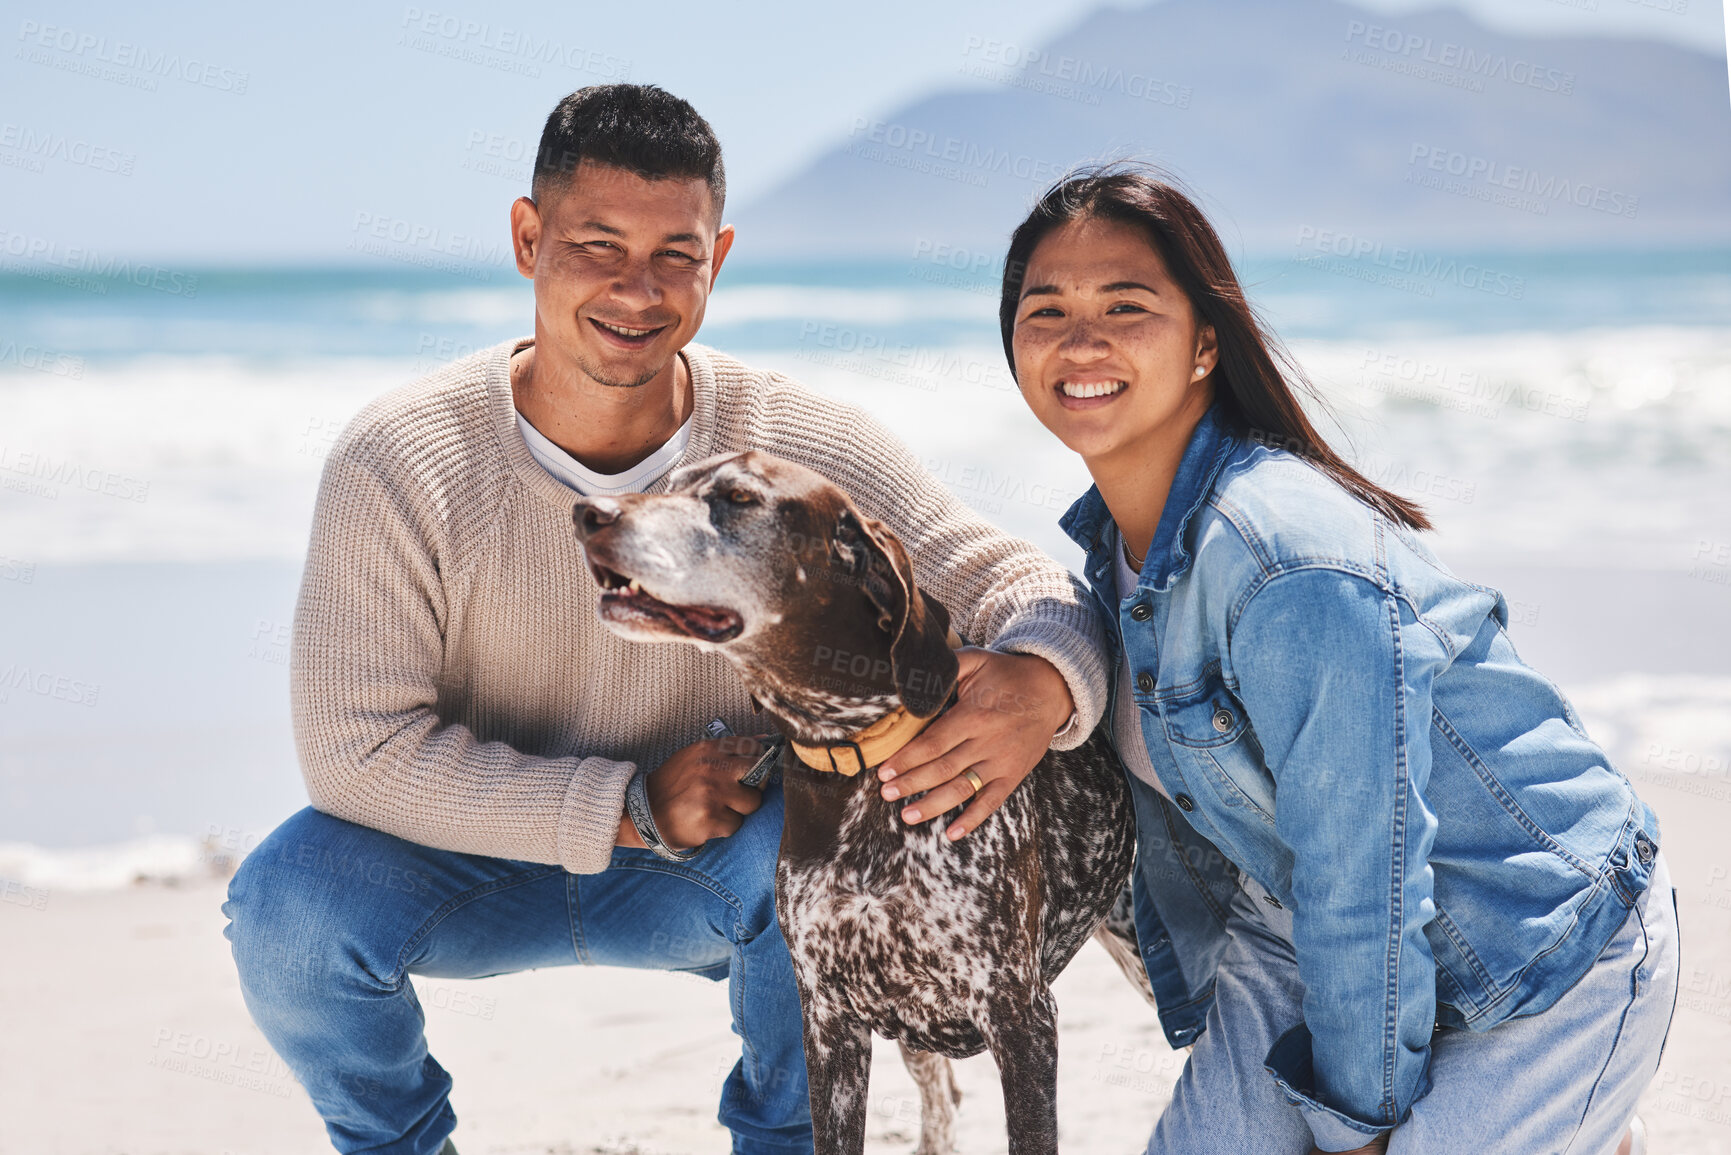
point(1023, 1036)
point(838, 1057)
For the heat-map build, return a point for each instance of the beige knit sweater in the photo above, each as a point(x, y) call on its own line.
point(450, 681)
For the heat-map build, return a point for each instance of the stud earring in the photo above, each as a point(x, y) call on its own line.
point(1201, 371)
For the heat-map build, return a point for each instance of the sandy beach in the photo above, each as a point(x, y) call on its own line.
point(126, 1035)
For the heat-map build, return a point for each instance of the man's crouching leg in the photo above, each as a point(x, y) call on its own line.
point(715, 916)
point(327, 919)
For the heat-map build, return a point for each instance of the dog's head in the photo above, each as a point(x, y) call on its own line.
point(775, 568)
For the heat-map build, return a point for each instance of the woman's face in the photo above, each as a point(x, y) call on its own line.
point(1107, 346)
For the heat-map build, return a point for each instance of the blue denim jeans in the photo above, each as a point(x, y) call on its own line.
point(328, 920)
point(1561, 1082)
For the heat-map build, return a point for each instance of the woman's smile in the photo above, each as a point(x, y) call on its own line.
point(1090, 393)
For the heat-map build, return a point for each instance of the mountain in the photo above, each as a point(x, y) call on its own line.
point(1292, 119)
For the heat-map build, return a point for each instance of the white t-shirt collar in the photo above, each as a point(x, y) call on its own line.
point(573, 474)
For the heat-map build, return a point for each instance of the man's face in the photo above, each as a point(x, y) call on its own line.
point(622, 268)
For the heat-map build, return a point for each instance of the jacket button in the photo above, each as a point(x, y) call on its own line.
point(1223, 719)
point(1643, 849)
point(1185, 803)
point(1145, 682)
point(1141, 612)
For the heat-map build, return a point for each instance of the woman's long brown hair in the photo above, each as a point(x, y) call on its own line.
point(1255, 379)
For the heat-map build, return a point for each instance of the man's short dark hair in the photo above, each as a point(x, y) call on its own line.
point(638, 127)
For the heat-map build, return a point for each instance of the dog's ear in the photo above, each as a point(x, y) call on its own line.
point(918, 624)
point(926, 667)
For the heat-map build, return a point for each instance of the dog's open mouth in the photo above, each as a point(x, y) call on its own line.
point(625, 602)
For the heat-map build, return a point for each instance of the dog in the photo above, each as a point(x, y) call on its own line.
point(949, 948)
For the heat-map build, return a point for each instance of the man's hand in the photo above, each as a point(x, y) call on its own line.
point(1007, 709)
point(696, 795)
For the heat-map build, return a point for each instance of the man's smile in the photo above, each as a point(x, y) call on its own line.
point(626, 336)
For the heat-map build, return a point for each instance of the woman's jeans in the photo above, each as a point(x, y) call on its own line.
point(1563, 1081)
point(328, 919)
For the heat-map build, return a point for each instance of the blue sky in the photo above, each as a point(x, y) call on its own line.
point(215, 134)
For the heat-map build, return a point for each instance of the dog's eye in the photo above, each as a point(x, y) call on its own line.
point(741, 497)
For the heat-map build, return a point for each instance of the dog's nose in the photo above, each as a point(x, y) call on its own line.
point(591, 513)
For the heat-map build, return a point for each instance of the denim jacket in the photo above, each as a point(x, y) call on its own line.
point(1348, 722)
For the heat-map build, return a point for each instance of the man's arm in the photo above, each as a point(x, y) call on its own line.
point(365, 673)
point(1041, 683)
point(1002, 592)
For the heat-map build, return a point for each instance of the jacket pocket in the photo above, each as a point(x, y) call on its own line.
point(1214, 743)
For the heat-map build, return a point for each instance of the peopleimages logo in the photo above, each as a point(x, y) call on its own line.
point(1532, 190)
point(1373, 260)
point(73, 475)
point(428, 246)
point(875, 355)
point(91, 270)
point(892, 139)
point(1069, 77)
point(979, 482)
point(43, 360)
point(1461, 389)
point(46, 684)
point(88, 53)
point(35, 146)
point(502, 47)
point(1457, 58)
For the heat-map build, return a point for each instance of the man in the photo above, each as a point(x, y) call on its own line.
point(468, 730)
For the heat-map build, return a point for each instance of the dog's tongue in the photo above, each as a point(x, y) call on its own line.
point(710, 623)
point(703, 620)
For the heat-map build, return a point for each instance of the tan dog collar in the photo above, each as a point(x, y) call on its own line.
point(872, 746)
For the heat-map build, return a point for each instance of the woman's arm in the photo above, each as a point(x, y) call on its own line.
point(1335, 680)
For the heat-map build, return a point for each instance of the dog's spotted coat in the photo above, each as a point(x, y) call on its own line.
point(947, 947)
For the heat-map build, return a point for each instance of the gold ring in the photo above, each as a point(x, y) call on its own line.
point(974, 779)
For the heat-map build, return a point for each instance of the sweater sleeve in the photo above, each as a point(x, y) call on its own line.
point(1001, 591)
point(365, 672)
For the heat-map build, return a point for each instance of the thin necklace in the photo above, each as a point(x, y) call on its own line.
point(1135, 562)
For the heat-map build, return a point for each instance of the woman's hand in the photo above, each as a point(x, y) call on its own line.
point(1007, 709)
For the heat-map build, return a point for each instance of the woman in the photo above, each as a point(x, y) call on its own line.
point(1445, 924)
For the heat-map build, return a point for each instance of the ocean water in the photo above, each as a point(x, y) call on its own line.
point(1566, 418)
